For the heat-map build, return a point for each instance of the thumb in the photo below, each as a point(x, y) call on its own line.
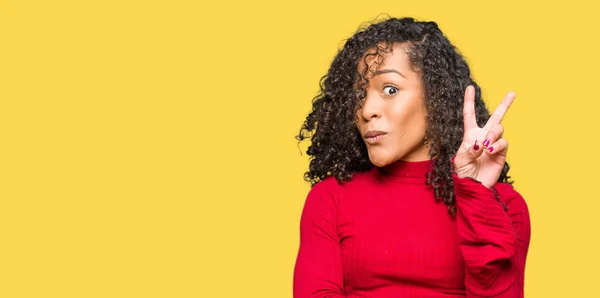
point(468, 156)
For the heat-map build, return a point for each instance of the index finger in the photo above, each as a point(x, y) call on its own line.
point(469, 118)
point(500, 111)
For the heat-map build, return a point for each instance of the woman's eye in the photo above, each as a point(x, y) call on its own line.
point(390, 90)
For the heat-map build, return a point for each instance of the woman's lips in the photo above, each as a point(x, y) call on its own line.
point(374, 136)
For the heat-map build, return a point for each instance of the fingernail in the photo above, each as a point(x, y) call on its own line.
point(491, 149)
point(476, 147)
point(486, 143)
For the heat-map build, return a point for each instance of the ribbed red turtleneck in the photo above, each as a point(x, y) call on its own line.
point(383, 234)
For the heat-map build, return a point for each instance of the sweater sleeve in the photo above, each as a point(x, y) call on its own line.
point(494, 229)
point(318, 270)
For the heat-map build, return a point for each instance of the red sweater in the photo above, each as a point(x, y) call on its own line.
point(383, 234)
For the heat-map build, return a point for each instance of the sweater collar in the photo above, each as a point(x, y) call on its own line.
point(407, 170)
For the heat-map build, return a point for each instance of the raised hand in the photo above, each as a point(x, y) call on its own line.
point(483, 150)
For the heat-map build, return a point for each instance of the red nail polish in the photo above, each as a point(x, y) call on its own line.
point(491, 149)
point(486, 143)
point(475, 147)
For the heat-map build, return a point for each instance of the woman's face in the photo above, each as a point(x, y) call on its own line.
point(392, 119)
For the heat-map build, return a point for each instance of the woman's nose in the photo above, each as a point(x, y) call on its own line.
point(371, 108)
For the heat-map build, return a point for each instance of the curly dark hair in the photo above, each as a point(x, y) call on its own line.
point(336, 145)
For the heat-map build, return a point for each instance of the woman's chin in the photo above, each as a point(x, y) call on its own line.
point(380, 161)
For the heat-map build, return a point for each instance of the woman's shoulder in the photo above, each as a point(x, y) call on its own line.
point(325, 196)
point(330, 185)
point(510, 196)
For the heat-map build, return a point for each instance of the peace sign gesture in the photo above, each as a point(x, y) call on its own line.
point(483, 150)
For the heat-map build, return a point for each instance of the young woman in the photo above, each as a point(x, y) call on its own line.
point(410, 190)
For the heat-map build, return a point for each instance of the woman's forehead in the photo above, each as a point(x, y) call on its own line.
point(392, 56)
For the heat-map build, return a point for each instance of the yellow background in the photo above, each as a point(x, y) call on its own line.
point(147, 147)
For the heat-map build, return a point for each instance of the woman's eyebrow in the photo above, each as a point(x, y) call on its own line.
point(382, 71)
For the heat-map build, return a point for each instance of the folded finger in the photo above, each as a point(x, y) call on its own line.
point(498, 147)
point(494, 134)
